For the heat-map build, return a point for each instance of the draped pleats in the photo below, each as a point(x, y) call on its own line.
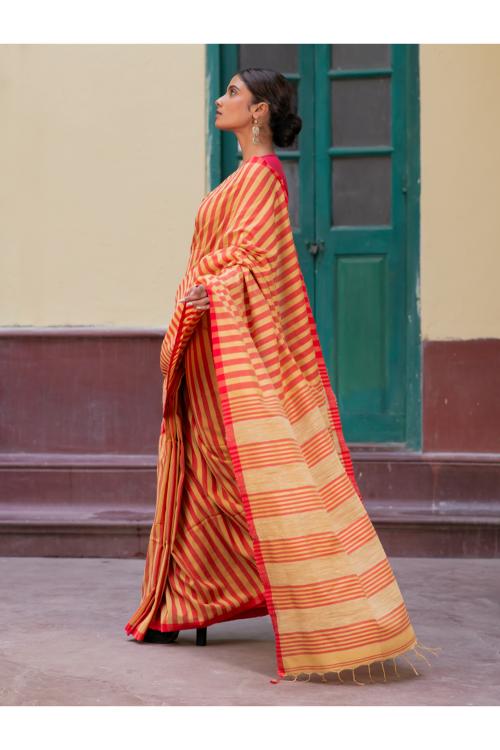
point(213, 573)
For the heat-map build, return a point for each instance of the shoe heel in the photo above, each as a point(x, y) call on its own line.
point(201, 636)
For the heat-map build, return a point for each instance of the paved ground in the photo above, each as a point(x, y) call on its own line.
point(63, 643)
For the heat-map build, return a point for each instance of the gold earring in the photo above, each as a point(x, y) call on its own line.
point(255, 132)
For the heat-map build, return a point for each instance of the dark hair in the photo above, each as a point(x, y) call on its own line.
point(273, 88)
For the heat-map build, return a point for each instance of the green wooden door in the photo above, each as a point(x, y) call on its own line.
point(353, 181)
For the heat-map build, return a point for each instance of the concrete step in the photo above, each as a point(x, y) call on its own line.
point(416, 529)
point(421, 504)
point(74, 530)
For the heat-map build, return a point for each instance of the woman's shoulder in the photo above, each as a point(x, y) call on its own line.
point(268, 162)
point(243, 176)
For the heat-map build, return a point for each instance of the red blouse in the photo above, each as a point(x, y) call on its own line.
point(273, 161)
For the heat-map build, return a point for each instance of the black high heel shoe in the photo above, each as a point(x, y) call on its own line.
point(201, 636)
point(156, 636)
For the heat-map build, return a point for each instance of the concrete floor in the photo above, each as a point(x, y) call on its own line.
point(63, 643)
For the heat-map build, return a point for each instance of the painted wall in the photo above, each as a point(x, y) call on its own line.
point(460, 191)
point(102, 156)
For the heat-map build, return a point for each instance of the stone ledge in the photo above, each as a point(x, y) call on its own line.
point(406, 529)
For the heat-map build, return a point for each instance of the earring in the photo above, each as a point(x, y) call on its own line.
point(255, 132)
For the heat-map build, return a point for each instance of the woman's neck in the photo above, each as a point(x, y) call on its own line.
point(249, 149)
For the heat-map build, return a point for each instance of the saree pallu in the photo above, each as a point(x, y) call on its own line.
point(259, 430)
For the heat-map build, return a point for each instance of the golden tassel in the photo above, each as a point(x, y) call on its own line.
point(395, 668)
point(427, 648)
point(383, 670)
point(354, 678)
point(409, 662)
point(422, 655)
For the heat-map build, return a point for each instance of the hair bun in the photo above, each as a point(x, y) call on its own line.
point(286, 128)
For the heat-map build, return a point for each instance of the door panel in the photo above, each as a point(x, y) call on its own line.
point(360, 224)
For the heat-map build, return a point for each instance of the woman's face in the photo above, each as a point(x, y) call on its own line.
point(234, 110)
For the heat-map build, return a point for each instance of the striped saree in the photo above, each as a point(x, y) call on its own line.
point(257, 508)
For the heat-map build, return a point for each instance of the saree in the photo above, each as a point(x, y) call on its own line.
point(257, 507)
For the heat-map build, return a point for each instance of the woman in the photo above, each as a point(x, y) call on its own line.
point(257, 509)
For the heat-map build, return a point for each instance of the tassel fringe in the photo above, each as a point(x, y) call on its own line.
point(415, 648)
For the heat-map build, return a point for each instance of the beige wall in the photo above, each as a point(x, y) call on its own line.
point(102, 157)
point(460, 191)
